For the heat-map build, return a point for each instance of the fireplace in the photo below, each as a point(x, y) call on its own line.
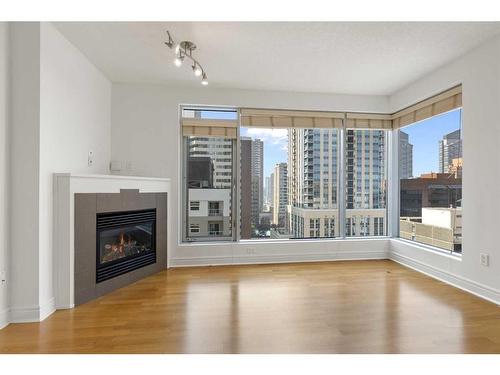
point(126, 241)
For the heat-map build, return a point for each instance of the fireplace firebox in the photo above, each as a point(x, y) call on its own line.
point(126, 241)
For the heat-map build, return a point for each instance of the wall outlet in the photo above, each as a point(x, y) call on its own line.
point(115, 166)
point(90, 158)
point(3, 277)
point(484, 259)
point(128, 165)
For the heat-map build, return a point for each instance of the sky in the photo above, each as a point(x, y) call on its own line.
point(424, 136)
point(275, 145)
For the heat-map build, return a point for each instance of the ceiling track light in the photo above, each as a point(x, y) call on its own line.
point(185, 50)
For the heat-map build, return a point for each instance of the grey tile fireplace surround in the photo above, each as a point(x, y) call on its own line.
point(87, 206)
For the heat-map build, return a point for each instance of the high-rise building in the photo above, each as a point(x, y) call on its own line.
point(450, 147)
point(209, 197)
point(252, 187)
point(257, 183)
point(456, 166)
point(314, 181)
point(271, 191)
point(280, 195)
point(405, 156)
point(365, 182)
point(209, 212)
point(220, 150)
point(245, 185)
point(267, 190)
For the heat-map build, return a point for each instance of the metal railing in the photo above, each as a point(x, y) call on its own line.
point(214, 212)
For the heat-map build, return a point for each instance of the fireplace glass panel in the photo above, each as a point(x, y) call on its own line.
point(125, 241)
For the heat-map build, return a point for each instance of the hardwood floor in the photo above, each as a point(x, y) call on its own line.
point(328, 307)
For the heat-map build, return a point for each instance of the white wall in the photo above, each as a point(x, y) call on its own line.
point(24, 170)
point(4, 166)
point(145, 132)
point(75, 115)
point(60, 110)
point(479, 73)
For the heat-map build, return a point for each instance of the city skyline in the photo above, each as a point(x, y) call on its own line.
point(424, 138)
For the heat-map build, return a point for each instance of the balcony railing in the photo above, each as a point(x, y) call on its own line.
point(214, 212)
point(443, 238)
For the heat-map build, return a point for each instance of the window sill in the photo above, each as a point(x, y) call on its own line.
point(427, 248)
point(283, 241)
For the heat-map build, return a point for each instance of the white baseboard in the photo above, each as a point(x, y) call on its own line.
point(278, 258)
point(479, 290)
point(64, 306)
point(32, 314)
point(4, 318)
point(47, 308)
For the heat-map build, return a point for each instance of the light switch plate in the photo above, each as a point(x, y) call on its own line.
point(90, 158)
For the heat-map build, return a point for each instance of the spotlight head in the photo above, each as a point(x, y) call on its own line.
point(197, 70)
point(178, 61)
point(204, 80)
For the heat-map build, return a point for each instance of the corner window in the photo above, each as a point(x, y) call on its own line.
point(430, 172)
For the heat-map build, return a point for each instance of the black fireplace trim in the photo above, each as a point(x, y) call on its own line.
point(106, 220)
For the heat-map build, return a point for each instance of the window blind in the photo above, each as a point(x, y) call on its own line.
point(290, 119)
point(368, 121)
point(209, 128)
point(435, 105)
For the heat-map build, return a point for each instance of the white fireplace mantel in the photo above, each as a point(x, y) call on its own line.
point(65, 187)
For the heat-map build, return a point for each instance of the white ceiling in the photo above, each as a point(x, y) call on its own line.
point(334, 57)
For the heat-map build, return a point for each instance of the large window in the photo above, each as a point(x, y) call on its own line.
point(430, 172)
point(268, 174)
point(209, 138)
point(289, 183)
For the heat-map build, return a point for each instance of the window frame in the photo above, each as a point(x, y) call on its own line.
point(395, 219)
point(184, 225)
point(235, 210)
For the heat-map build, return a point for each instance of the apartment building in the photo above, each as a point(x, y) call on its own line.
point(450, 147)
point(313, 182)
point(405, 156)
point(280, 194)
point(220, 150)
point(257, 183)
point(209, 213)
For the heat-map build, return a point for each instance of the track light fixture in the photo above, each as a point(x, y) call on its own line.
point(185, 50)
point(204, 80)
